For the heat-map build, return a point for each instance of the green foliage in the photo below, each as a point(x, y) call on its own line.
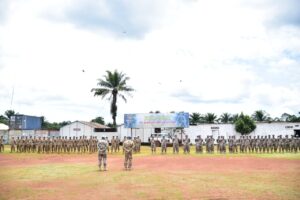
point(3, 119)
point(195, 118)
point(290, 118)
point(225, 118)
point(99, 120)
point(9, 113)
point(54, 125)
point(114, 85)
point(210, 118)
point(261, 116)
point(244, 124)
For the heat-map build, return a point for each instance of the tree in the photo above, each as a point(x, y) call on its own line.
point(210, 118)
point(3, 119)
point(195, 118)
point(225, 118)
point(261, 116)
point(244, 124)
point(99, 120)
point(113, 84)
point(9, 113)
point(235, 117)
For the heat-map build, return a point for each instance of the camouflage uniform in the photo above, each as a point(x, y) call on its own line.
point(153, 145)
point(12, 145)
point(287, 144)
point(1, 144)
point(199, 143)
point(124, 139)
point(211, 144)
point(107, 144)
point(117, 144)
point(222, 145)
point(102, 153)
point(128, 148)
point(113, 144)
point(163, 145)
point(186, 145)
point(175, 145)
point(139, 143)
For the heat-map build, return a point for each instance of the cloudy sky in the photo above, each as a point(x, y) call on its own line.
point(181, 55)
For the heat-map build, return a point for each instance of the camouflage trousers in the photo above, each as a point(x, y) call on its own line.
point(128, 160)
point(153, 148)
point(186, 149)
point(102, 157)
point(176, 148)
point(199, 148)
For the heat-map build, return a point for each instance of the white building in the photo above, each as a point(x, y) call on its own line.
point(82, 128)
point(226, 130)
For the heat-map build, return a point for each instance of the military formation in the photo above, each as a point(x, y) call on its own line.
point(245, 144)
point(29, 144)
point(83, 144)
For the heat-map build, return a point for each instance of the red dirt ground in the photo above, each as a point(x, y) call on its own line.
point(159, 164)
point(162, 163)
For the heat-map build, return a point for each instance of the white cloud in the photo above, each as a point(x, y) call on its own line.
point(194, 56)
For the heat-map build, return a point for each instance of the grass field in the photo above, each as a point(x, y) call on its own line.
point(76, 176)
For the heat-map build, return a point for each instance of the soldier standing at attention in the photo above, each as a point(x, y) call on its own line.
point(128, 148)
point(153, 145)
point(1, 144)
point(163, 145)
point(135, 145)
point(117, 144)
point(207, 144)
point(218, 143)
point(124, 139)
point(211, 144)
point(175, 145)
point(102, 153)
point(107, 144)
point(139, 143)
point(91, 144)
point(18, 144)
point(113, 144)
point(12, 145)
point(222, 145)
point(197, 142)
point(186, 145)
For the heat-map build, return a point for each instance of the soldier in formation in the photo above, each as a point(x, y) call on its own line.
point(102, 153)
point(164, 145)
point(128, 147)
point(199, 144)
point(152, 145)
point(175, 145)
point(55, 144)
point(1, 144)
point(186, 145)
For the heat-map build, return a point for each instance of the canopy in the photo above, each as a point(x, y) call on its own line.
point(3, 127)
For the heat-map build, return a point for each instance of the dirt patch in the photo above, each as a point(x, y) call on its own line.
point(157, 177)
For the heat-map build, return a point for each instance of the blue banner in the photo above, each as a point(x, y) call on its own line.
point(157, 120)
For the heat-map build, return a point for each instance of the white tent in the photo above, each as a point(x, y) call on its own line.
point(3, 127)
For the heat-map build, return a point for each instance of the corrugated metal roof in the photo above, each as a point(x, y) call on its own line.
point(94, 124)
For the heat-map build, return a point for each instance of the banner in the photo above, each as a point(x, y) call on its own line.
point(167, 120)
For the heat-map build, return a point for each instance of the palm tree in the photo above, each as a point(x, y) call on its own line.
point(195, 118)
point(210, 118)
point(260, 116)
point(113, 84)
point(235, 117)
point(225, 118)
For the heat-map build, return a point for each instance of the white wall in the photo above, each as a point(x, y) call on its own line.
point(78, 129)
point(226, 130)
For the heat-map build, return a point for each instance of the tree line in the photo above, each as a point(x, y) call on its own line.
point(257, 116)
